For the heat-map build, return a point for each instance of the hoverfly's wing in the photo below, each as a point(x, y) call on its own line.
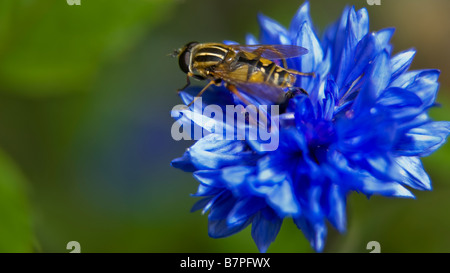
point(263, 93)
point(273, 52)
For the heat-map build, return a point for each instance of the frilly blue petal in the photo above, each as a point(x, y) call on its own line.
point(358, 23)
point(365, 52)
point(270, 170)
point(335, 39)
point(337, 208)
point(403, 105)
point(384, 37)
point(381, 167)
point(399, 97)
point(238, 179)
point(244, 209)
point(229, 42)
point(389, 189)
point(272, 32)
point(301, 16)
point(220, 195)
point(344, 64)
point(356, 28)
point(282, 200)
point(308, 63)
point(304, 111)
point(377, 80)
point(200, 204)
point(251, 40)
point(315, 232)
point(220, 228)
point(329, 37)
point(367, 133)
point(221, 206)
point(184, 163)
point(209, 178)
point(380, 74)
point(295, 141)
point(328, 103)
point(416, 122)
point(204, 190)
point(430, 75)
point(212, 152)
point(362, 17)
point(423, 140)
point(426, 86)
point(312, 206)
point(370, 185)
point(406, 78)
point(413, 173)
point(401, 62)
point(265, 229)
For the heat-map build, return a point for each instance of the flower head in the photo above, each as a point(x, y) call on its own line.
point(363, 127)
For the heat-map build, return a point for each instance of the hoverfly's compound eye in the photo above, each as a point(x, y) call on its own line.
point(184, 60)
point(185, 57)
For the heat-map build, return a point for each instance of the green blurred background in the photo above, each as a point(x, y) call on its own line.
point(85, 145)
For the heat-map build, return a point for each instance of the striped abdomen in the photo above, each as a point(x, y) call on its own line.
point(263, 70)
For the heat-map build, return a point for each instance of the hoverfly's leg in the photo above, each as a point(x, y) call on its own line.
point(234, 90)
point(294, 91)
point(295, 72)
point(201, 92)
point(284, 104)
point(188, 82)
point(261, 116)
point(259, 51)
point(284, 63)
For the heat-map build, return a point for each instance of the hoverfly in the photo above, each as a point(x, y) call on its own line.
point(249, 68)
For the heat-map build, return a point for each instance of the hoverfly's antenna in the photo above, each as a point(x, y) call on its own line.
point(175, 53)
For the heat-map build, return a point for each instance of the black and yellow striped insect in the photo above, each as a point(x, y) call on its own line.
point(247, 68)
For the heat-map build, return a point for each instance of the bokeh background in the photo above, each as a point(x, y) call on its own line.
point(85, 145)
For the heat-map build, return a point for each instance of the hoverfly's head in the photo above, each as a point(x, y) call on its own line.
point(184, 56)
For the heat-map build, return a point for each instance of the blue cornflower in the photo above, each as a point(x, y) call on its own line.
point(363, 127)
